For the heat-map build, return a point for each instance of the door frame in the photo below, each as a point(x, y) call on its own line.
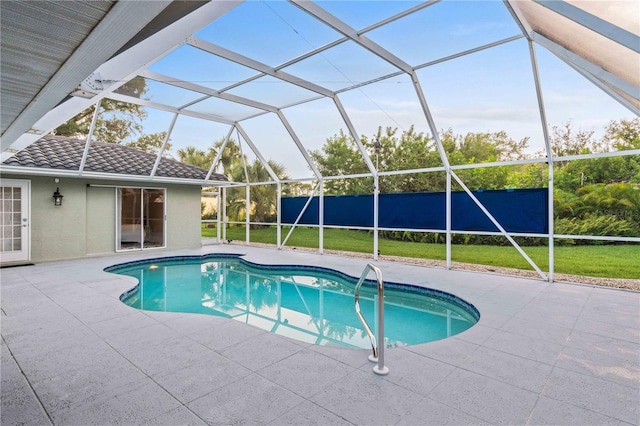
point(118, 219)
point(23, 255)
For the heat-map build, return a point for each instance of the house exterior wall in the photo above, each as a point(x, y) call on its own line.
point(85, 224)
point(101, 220)
point(183, 217)
point(57, 232)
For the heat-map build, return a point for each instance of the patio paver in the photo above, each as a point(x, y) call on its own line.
point(541, 353)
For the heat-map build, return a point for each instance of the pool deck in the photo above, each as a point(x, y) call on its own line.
point(541, 353)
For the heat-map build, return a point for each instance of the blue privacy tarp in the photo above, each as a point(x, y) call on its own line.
point(517, 210)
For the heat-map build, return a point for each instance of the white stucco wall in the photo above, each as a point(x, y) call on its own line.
point(183, 217)
point(57, 232)
point(101, 220)
point(85, 224)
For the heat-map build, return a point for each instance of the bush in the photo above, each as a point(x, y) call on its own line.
point(594, 224)
point(465, 239)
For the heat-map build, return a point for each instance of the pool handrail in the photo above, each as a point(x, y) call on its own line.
point(378, 351)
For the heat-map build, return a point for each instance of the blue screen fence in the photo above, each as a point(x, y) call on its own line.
point(517, 210)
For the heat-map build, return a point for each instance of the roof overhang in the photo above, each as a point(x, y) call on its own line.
point(115, 25)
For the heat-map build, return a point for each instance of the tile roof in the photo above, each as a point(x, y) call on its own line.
point(65, 153)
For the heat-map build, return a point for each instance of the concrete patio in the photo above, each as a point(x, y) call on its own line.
point(541, 353)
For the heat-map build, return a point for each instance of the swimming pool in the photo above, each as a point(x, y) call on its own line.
point(310, 304)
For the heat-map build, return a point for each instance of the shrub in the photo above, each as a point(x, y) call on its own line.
point(598, 225)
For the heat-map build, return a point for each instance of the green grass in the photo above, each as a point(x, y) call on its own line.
point(611, 261)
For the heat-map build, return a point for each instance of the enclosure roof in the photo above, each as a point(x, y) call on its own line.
point(53, 153)
point(58, 58)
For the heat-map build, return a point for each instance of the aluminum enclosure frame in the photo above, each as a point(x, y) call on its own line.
point(126, 66)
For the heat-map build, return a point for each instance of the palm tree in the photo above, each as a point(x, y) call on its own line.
point(195, 157)
point(614, 197)
point(230, 158)
point(263, 197)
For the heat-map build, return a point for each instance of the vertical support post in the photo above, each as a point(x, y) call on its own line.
point(247, 207)
point(376, 205)
point(551, 219)
point(224, 213)
point(279, 216)
point(448, 218)
point(143, 225)
point(321, 218)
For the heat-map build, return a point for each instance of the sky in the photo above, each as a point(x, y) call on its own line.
point(487, 91)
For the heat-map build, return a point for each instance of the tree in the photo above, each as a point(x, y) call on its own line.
point(474, 148)
point(263, 197)
point(485, 177)
point(340, 156)
point(195, 157)
point(565, 142)
point(230, 158)
point(623, 134)
point(619, 135)
point(117, 122)
point(412, 151)
point(151, 143)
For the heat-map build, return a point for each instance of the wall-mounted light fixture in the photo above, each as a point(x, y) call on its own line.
point(57, 198)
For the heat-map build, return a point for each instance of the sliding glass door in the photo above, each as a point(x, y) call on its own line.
point(141, 218)
point(153, 217)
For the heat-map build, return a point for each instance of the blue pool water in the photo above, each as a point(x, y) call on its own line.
point(314, 305)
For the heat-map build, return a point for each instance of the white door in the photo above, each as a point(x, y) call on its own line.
point(14, 220)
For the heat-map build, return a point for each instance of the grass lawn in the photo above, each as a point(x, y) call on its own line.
point(611, 261)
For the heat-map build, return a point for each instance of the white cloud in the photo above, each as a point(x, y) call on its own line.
point(486, 114)
point(462, 30)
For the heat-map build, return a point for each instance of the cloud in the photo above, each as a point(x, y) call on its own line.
point(573, 98)
point(486, 114)
point(462, 30)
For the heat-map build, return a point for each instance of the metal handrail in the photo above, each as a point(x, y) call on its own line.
point(378, 352)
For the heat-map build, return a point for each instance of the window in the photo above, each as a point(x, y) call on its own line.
point(141, 218)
